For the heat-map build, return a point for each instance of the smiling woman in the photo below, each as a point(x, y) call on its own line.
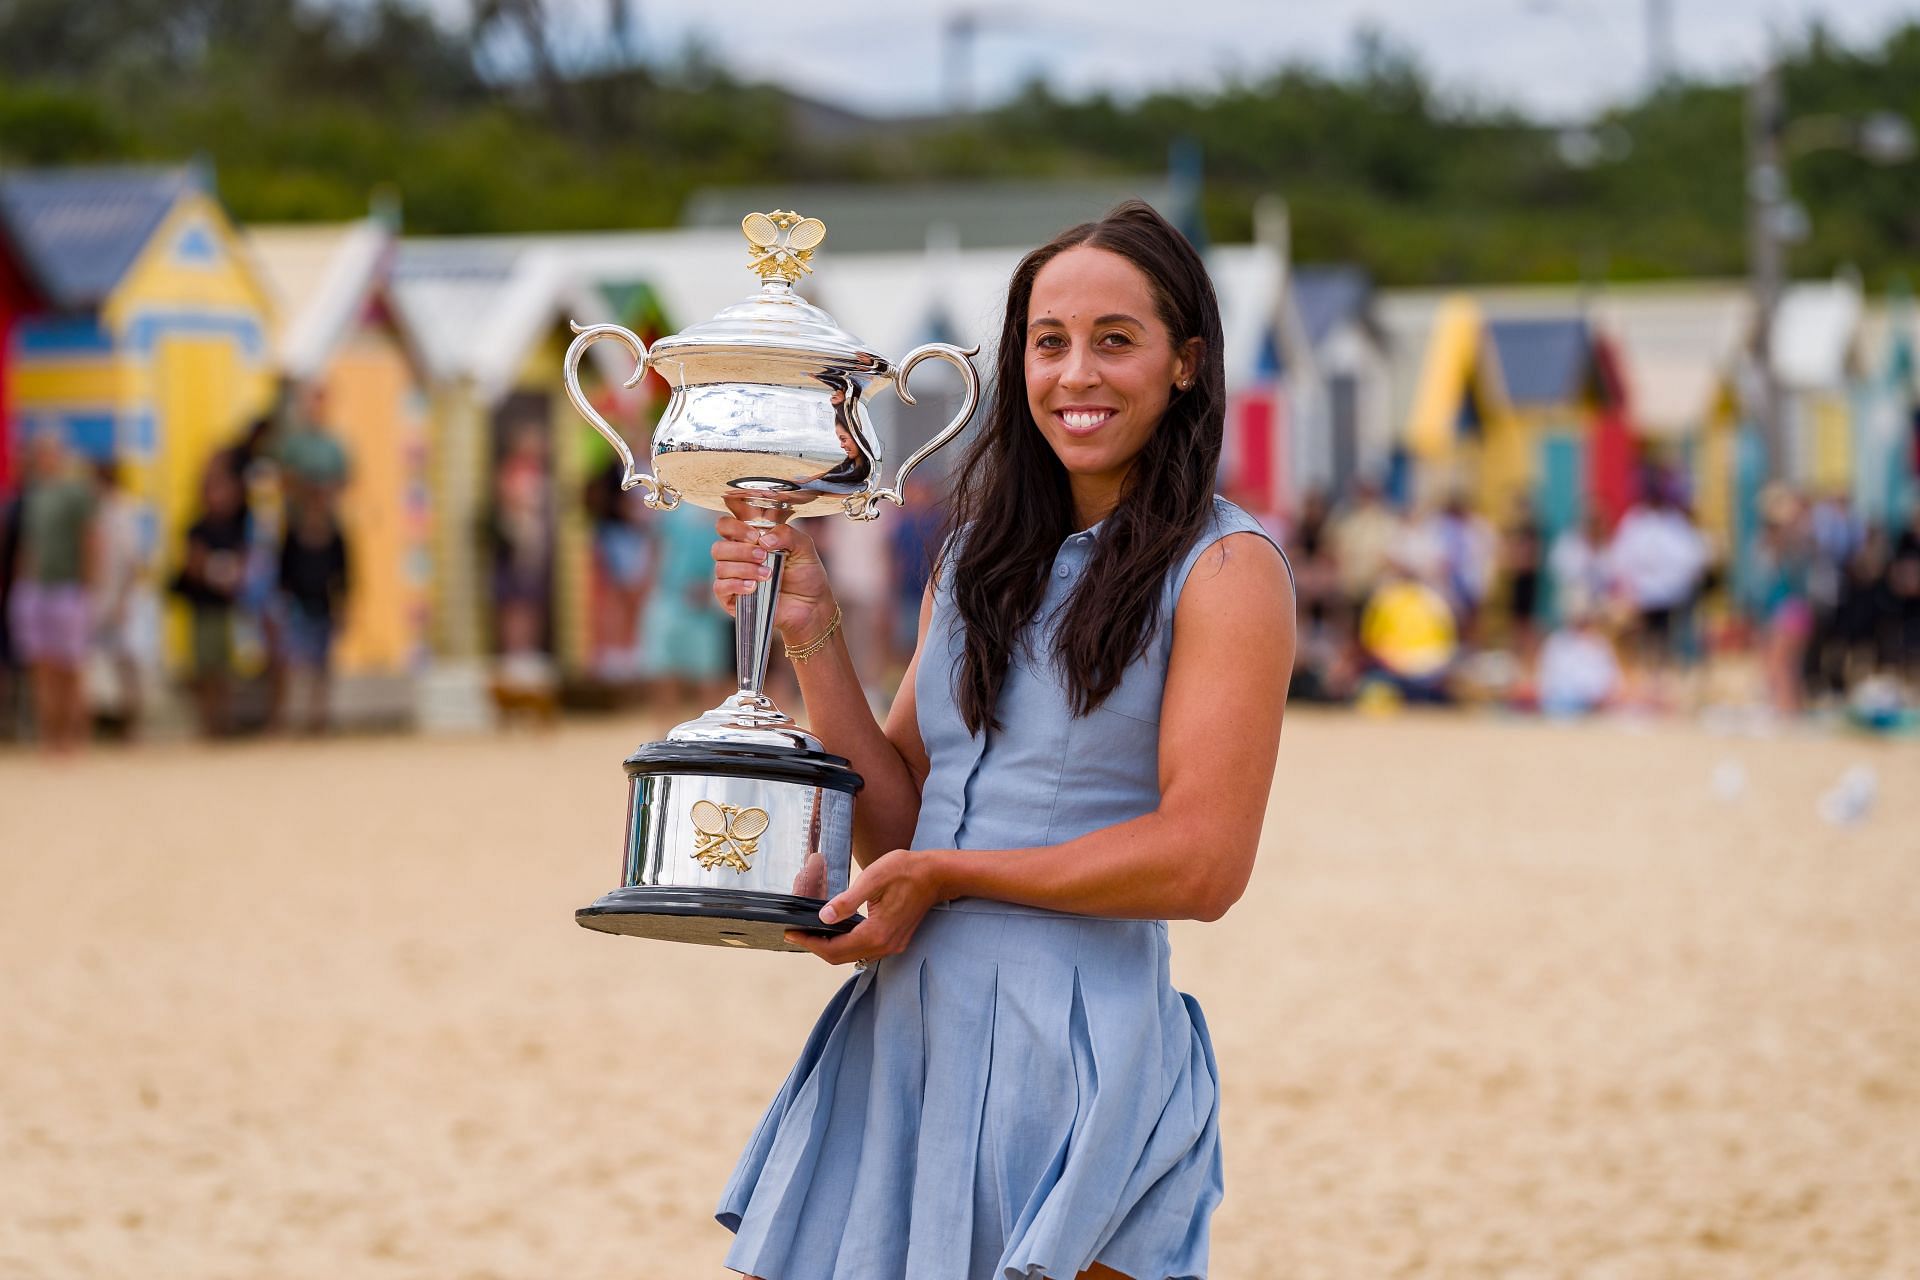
point(1081, 750)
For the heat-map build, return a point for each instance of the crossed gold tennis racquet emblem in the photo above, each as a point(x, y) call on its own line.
point(729, 835)
point(781, 243)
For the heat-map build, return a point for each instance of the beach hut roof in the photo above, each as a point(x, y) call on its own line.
point(1814, 330)
point(320, 279)
point(81, 230)
point(1544, 361)
point(1678, 345)
point(1331, 295)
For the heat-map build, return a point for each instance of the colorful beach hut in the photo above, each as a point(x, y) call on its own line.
point(20, 296)
point(489, 319)
point(346, 364)
point(153, 347)
point(1459, 428)
point(1886, 415)
point(1563, 382)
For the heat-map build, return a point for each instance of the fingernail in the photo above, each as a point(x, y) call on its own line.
point(759, 554)
point(828, 915)
point(763, 571)
point(766, 540)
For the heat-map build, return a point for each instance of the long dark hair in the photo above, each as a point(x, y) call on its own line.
point(1013, 506)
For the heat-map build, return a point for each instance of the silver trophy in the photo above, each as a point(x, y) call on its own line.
point(739, 826)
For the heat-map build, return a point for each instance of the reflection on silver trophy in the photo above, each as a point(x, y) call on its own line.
point(739, 826)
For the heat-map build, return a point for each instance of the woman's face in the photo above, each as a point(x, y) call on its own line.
point(1101, 366)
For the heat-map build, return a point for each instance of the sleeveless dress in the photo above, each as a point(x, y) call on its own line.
point(1020, 1093)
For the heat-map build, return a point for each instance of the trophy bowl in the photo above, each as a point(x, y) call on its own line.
point(739, 824)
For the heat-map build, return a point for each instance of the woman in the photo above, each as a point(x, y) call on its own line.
point(1081, 749)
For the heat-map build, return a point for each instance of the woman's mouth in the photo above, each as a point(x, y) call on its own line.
point(1082, 422)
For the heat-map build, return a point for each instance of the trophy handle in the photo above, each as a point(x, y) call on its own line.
point(865, 506)
point(656, 495)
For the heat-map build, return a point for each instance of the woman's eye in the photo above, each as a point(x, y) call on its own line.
point(1114, 340)
point(1048, 341)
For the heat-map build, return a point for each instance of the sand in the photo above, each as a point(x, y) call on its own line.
point(1504, 1000)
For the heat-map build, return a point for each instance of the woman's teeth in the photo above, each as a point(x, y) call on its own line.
point(1085, 421)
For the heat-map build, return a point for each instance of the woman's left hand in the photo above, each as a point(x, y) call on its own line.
point(898, 890)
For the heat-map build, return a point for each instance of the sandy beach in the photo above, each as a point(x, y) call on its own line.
point(1505, 999)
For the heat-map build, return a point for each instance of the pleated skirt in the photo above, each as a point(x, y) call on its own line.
point(1018, 1095)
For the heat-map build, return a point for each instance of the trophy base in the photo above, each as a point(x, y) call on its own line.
point(713, 918)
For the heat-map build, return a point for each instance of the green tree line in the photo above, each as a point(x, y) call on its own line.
point(304, 110)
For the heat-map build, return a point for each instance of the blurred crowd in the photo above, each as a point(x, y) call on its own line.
point(1397, 604)
point(1444, 605)
point(262, 577)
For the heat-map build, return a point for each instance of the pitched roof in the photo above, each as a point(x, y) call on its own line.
point(1329, 295)
point(81, 229)
point(320, 278)
point(1544, 360)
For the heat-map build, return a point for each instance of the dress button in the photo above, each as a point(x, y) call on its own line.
point(1063, 571)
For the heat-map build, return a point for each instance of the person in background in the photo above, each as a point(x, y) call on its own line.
point(313, 593)
point(1468, 546)
point(12, 669)
point(1785, 560)
point(126, 622)
point(1362, 537)
point(686, 639)
point(916, 536)
point(1903, 598)
point(1577, 569)
point(210, 581)
point(1320, 599)
point(1522, 558)
point(50, 610)
point(1408, 634)
point(1578, 670)
point(1658, 558)
point(861, 554)
point(623, 563)
point(260, 482)
point(522, 537)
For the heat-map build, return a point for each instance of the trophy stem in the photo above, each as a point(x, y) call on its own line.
point(753, 629)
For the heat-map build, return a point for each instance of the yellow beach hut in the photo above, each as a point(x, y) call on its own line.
point(1460, 428)
point(347, 364)
point(154, 349)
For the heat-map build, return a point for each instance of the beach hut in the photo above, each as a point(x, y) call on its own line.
point(1563, 382)
point(153, 347)
point(20, 296)
point(1335, 304)
point(489, 319)
point(1458, 426)
point(1816, 360)
point(345, 362)
point(1272, 381)
point(1886, 414)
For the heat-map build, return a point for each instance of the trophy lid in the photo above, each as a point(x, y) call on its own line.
point(776, 321)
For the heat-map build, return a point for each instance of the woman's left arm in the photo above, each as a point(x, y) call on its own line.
point(1226, 690)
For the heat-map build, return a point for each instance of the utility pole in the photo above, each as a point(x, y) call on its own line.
point(1659, 44)
point(1767, 206)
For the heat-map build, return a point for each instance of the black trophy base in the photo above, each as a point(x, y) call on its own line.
point(709, 917)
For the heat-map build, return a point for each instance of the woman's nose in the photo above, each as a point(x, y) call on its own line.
point(1080, 369)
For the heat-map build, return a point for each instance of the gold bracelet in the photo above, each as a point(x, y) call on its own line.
point(814, 646)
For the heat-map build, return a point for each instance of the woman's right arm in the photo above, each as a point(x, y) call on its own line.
point(892, 760)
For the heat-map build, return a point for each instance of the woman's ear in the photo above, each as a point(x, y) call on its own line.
point(1186, 365)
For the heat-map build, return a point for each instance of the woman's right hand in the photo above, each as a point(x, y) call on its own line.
point(740, 565)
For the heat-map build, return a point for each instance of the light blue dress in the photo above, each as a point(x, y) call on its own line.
point(1020, 1093)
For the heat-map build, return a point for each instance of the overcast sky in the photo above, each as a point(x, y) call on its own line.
point(1556, 58)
